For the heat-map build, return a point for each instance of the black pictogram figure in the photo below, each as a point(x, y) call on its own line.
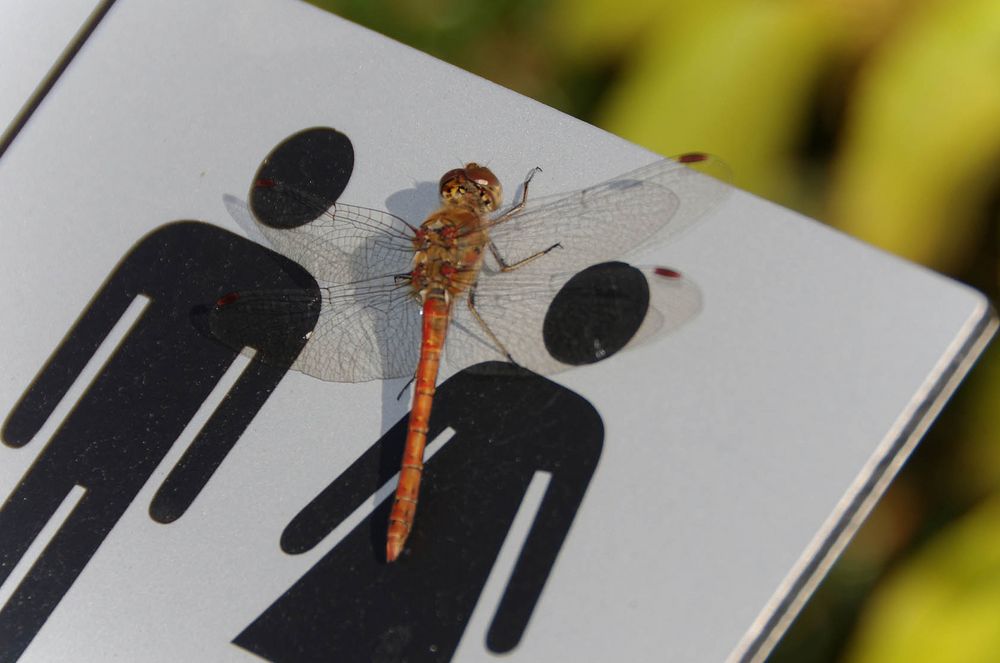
point(136, 407)
point(316, 163)
point(352, 606)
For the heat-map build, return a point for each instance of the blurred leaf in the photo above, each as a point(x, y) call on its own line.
point(873, 21)
point(941, 605)
point(592, 30)
point(923, 143)
point(737, 79)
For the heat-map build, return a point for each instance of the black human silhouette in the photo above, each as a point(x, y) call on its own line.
point(137, 406)
point(351, 606)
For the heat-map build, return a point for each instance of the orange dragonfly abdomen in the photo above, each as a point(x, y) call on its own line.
point(436, 311)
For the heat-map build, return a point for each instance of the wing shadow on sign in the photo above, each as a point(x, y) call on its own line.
point(133, 411)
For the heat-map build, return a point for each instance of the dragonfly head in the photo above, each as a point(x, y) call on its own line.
point(472, 185)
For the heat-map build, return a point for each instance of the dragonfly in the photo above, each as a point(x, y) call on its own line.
point(480, 276)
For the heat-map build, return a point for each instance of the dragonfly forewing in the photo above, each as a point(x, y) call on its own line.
point(651, 205)
point(347, 244)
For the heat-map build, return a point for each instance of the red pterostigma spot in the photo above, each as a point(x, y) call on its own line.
point(667, 273)
point(227, 299)
point(692, 157)
point(265, 183)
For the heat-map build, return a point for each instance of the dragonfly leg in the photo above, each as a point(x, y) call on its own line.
point(524, 198)
point(471, 301)
point(508, 267)
point(405, 387)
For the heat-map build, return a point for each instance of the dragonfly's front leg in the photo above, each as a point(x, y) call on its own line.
point(524, 199)
point(471, 301)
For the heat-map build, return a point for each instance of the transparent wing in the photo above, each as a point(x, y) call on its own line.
point(602, 223)
point(649, 205)
point(595, 321)
point(369, 322)
point(366, 331)
point(346, 244)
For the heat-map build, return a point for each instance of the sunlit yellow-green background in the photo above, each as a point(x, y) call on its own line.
point(880, 117)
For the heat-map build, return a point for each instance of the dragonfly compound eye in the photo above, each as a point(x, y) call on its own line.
point(451, 182)
point(490, 191)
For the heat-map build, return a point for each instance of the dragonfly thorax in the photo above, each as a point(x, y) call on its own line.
point(448, 251)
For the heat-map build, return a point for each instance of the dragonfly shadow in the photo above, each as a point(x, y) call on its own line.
point(240, 213)
point(415, 203)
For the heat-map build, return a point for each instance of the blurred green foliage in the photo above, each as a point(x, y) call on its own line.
point(881, 117)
